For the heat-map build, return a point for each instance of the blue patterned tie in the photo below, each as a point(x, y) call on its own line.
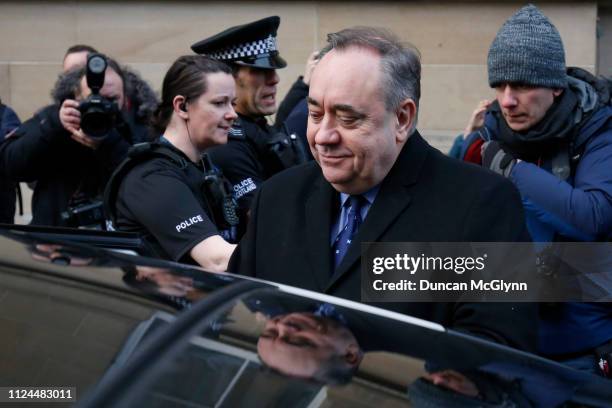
point(343, 240)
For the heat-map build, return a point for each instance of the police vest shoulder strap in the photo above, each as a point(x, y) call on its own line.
point(137, 154)
point(236, 132)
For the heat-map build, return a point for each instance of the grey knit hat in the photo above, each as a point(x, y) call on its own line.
point(527, 49)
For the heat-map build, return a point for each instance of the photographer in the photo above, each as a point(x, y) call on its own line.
point(140, 99)
point(71, 165)
point(167, 191)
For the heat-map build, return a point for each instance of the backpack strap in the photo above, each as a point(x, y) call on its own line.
point(575, 153)
point(139, 153)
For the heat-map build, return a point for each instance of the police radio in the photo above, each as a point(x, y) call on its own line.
point(218, 192)
point(286, 149)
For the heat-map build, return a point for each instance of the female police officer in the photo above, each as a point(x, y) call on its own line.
point(161, 194)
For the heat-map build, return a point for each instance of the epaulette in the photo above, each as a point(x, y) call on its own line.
point(236, 132)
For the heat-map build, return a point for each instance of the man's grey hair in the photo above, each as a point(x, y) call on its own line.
point(400, 61)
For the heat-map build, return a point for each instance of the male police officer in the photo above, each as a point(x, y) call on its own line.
point(255, 151)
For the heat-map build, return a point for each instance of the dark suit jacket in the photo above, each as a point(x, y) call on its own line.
point(426, 197)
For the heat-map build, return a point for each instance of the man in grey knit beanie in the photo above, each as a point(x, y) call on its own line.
point(549, 133)
point(528, 50)
point(526, 65)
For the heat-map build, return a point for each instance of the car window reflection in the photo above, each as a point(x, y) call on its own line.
point(307, 345)
point(57, 254)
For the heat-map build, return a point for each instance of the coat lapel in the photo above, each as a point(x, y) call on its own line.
point(392, 199)
point(318, 211)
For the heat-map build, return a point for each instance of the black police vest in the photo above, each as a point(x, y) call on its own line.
point(276, 150)
point(140, 153)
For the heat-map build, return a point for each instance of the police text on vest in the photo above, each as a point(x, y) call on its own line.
point(189, 222)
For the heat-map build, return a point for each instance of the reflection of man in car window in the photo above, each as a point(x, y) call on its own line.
point(58, 255)
point(305, 345)
point(177, 289)
point(167, 282)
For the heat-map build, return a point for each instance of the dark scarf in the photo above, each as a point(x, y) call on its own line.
point(554, 131)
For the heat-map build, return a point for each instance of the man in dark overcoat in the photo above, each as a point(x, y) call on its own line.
point(375, 179)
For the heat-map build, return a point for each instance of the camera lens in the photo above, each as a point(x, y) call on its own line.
point(96, 64)
point(98, 115)
point(96, 123)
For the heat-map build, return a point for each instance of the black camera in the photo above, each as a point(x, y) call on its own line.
point(98, 114)
point(84, 212)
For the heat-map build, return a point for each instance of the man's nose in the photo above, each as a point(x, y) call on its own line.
point(326, 133)
point(272, 77)
point(507, 97)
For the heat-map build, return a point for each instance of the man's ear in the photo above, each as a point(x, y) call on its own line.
point(353, 355)
point(557, 92)
point(405, 119)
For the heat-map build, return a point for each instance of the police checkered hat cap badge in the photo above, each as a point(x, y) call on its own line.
point(249, 49)
point(252, 44)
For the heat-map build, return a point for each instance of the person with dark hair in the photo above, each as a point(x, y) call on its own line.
point(69, 166)
point(140, 104)
point(161, 190)
point(377, 180)
point(9, 121)
point(255, 150)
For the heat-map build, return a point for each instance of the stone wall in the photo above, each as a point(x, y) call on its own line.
point(453, 38)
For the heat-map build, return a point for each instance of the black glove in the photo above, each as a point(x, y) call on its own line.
point(496, 159)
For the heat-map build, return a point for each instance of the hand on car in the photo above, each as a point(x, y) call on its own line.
point(70, 117)
point(454, 381)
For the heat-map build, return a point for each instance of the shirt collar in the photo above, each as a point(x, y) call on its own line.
point(369, 195)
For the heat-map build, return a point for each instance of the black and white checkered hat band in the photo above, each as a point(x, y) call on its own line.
point(249, 49)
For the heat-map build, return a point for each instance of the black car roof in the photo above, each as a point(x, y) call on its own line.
point(106, 303)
